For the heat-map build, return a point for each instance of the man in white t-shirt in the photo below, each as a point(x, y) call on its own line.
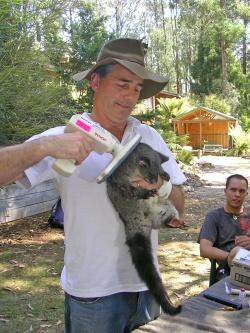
point(103, 292)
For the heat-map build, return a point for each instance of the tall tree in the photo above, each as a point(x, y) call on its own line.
point(88, 36)
point(217, 40)
point(32, 96)
point(243, 9)
point(174, 12)
point(123, 16)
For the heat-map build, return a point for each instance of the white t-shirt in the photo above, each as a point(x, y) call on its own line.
point(97, 261)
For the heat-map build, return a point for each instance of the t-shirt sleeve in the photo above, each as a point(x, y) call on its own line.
point(209, 228)
point(42, 170)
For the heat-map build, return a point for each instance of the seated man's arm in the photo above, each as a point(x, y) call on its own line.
point(207, 250)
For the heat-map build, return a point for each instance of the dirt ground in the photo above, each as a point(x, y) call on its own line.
point(184, 272)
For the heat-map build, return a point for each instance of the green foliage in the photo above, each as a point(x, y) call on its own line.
point(165, 111)
point(173, 107)
point(31, 99)
point(217, 39)
point(160, 120)
point(243, 107)
point(215, 103)
point(245, 121)
point(159, 55)
point(241, 142)
point(35, 91)
point(43, 42)
point(183, 156)
point(87, 37)
point(203, 79)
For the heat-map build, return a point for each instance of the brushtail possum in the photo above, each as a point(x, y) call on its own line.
point(142, 210)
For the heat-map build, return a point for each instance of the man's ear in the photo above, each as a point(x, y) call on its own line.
point(94, 81)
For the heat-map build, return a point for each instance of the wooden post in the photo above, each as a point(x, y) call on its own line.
point(200, 134)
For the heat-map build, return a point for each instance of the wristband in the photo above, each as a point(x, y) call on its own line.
point(165, 189)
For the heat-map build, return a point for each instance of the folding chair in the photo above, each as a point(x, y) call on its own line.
point(213, 272)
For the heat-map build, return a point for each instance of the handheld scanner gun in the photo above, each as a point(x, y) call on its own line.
point(104, 142)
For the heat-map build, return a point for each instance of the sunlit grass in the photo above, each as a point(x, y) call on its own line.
point(182, 269)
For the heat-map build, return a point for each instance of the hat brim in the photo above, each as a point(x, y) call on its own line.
point(152, 83)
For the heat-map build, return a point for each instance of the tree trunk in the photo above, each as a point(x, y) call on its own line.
point(173, 9)
point(244, 44)
point(223, 55)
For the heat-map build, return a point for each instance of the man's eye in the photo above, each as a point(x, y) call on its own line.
point(138, 89)
point(122, 85)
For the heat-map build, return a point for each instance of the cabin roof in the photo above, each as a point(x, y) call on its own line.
point(206, 115)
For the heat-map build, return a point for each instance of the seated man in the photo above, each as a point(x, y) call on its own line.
point(221, 232)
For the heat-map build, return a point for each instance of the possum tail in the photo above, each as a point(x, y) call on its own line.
point(140, 248)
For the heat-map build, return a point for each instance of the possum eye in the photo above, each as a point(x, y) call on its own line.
point(144, 162)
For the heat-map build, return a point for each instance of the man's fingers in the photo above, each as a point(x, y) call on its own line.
point(83, 146)
point(74, 145)
point(176, 223)
point(138, 181)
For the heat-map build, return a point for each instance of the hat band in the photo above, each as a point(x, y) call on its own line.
point(128, 57)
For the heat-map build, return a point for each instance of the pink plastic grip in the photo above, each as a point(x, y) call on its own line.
point(83, 125)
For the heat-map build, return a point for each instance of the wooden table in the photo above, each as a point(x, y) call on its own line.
point(200, 314)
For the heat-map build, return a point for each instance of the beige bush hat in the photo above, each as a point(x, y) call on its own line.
point(130, 54)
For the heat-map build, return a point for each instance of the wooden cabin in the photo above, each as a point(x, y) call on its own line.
point(205, 126)
point(153, 101)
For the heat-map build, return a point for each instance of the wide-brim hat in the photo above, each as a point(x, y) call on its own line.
point(130, 54)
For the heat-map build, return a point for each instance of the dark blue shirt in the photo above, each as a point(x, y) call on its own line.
point(220, 228)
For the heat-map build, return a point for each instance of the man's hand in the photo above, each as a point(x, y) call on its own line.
point(243, 241)
point(138, 181)
point(75, 145)
point(176, 196)
point(177, 223)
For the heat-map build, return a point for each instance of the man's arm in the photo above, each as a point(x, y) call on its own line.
point(15, 159)
point(207, 250)
point(177, 198)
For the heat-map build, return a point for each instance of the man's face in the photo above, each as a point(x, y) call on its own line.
point(116, 94)
point(236, 192)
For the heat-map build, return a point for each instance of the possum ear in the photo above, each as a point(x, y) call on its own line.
point(163, 158)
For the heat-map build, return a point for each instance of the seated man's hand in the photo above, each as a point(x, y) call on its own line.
point(243, 241)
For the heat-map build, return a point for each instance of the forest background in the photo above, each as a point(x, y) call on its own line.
point(202, 45)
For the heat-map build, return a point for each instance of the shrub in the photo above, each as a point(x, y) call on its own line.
point(184, 156)
point(241, 142)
